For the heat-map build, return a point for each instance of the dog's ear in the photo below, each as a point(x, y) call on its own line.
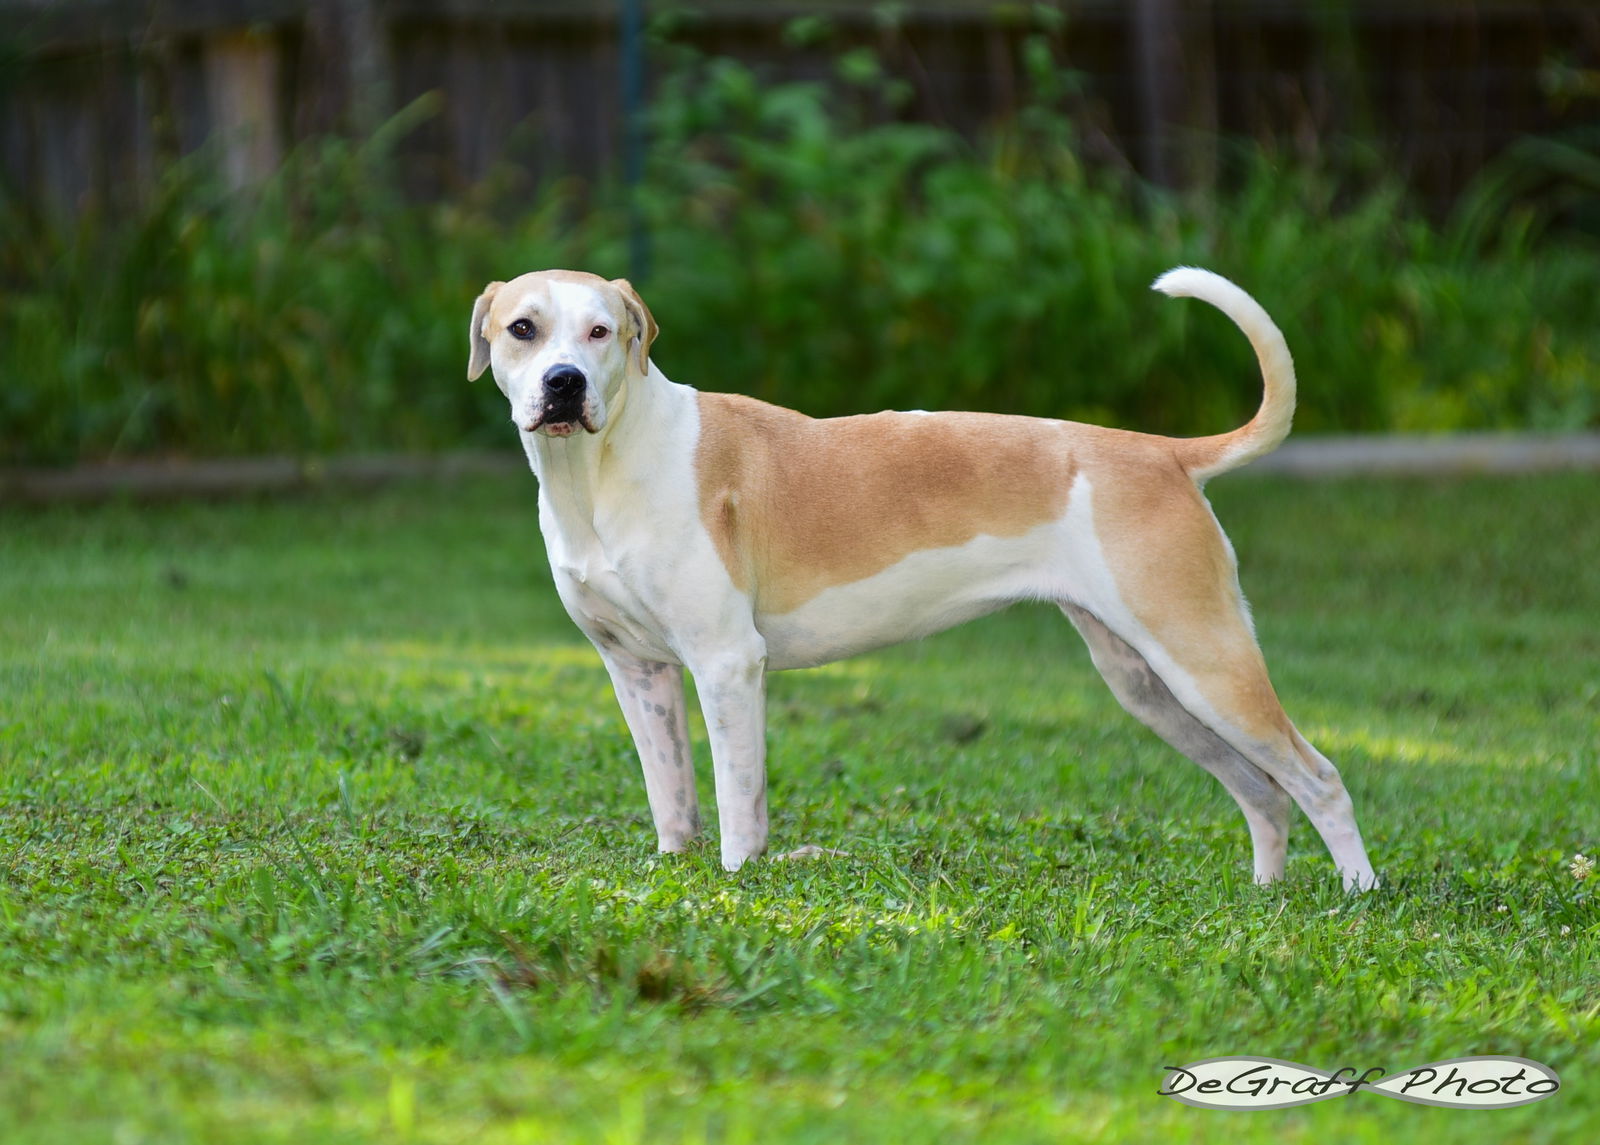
point(478, 357)
point(644, 324)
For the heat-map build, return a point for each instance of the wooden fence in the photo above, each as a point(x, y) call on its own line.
point(95, 95)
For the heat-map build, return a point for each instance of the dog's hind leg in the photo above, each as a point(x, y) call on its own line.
point(1220, 682)
point(651, 697)
point(1143, 693)
point(1177, 605)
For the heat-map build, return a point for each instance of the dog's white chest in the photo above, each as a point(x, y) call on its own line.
point(605, 595)
point(599, 597)
point(603, 604)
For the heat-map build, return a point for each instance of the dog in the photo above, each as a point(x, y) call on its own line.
point(734, 538)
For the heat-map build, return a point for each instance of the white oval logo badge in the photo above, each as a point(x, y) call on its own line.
point(1272, 1083)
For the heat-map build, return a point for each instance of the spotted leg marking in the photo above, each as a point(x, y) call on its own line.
point(651, 696)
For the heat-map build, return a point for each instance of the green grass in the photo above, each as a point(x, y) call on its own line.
point(319, 824)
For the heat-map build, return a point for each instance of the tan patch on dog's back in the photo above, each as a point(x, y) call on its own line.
point(796, 505)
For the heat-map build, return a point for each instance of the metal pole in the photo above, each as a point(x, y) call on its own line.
point(631, 15)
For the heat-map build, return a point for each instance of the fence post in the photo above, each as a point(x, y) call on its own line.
point(371, 80)
point(1176, 67)
point(241, 70)
point(631, 15)
point(1154, 50)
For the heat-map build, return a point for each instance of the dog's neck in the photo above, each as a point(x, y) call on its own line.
point(578, 473)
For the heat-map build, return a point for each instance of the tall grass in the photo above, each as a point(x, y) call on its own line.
point(802, 254)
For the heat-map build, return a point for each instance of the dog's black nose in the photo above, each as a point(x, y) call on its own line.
point(565, 381)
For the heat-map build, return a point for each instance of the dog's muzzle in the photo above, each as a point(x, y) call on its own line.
point(562, 404)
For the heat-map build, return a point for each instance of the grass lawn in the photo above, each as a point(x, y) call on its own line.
point(319, 824)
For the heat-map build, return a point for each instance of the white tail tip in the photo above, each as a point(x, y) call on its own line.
point(1190, 282)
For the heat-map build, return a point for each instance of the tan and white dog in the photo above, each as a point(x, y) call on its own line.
point(733, 538)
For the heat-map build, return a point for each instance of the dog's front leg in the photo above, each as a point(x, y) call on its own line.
point(733, 696)
point(651, 696)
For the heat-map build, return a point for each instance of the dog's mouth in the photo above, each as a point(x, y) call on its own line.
point(561, 423)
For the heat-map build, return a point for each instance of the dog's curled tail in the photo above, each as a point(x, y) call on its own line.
point(1205, 457)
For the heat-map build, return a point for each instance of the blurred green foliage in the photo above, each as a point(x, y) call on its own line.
point(805, 252)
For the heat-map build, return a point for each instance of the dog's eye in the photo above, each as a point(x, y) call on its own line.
point(522, 329)
point(598, 333)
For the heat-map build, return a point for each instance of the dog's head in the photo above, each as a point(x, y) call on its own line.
point(563, 345)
